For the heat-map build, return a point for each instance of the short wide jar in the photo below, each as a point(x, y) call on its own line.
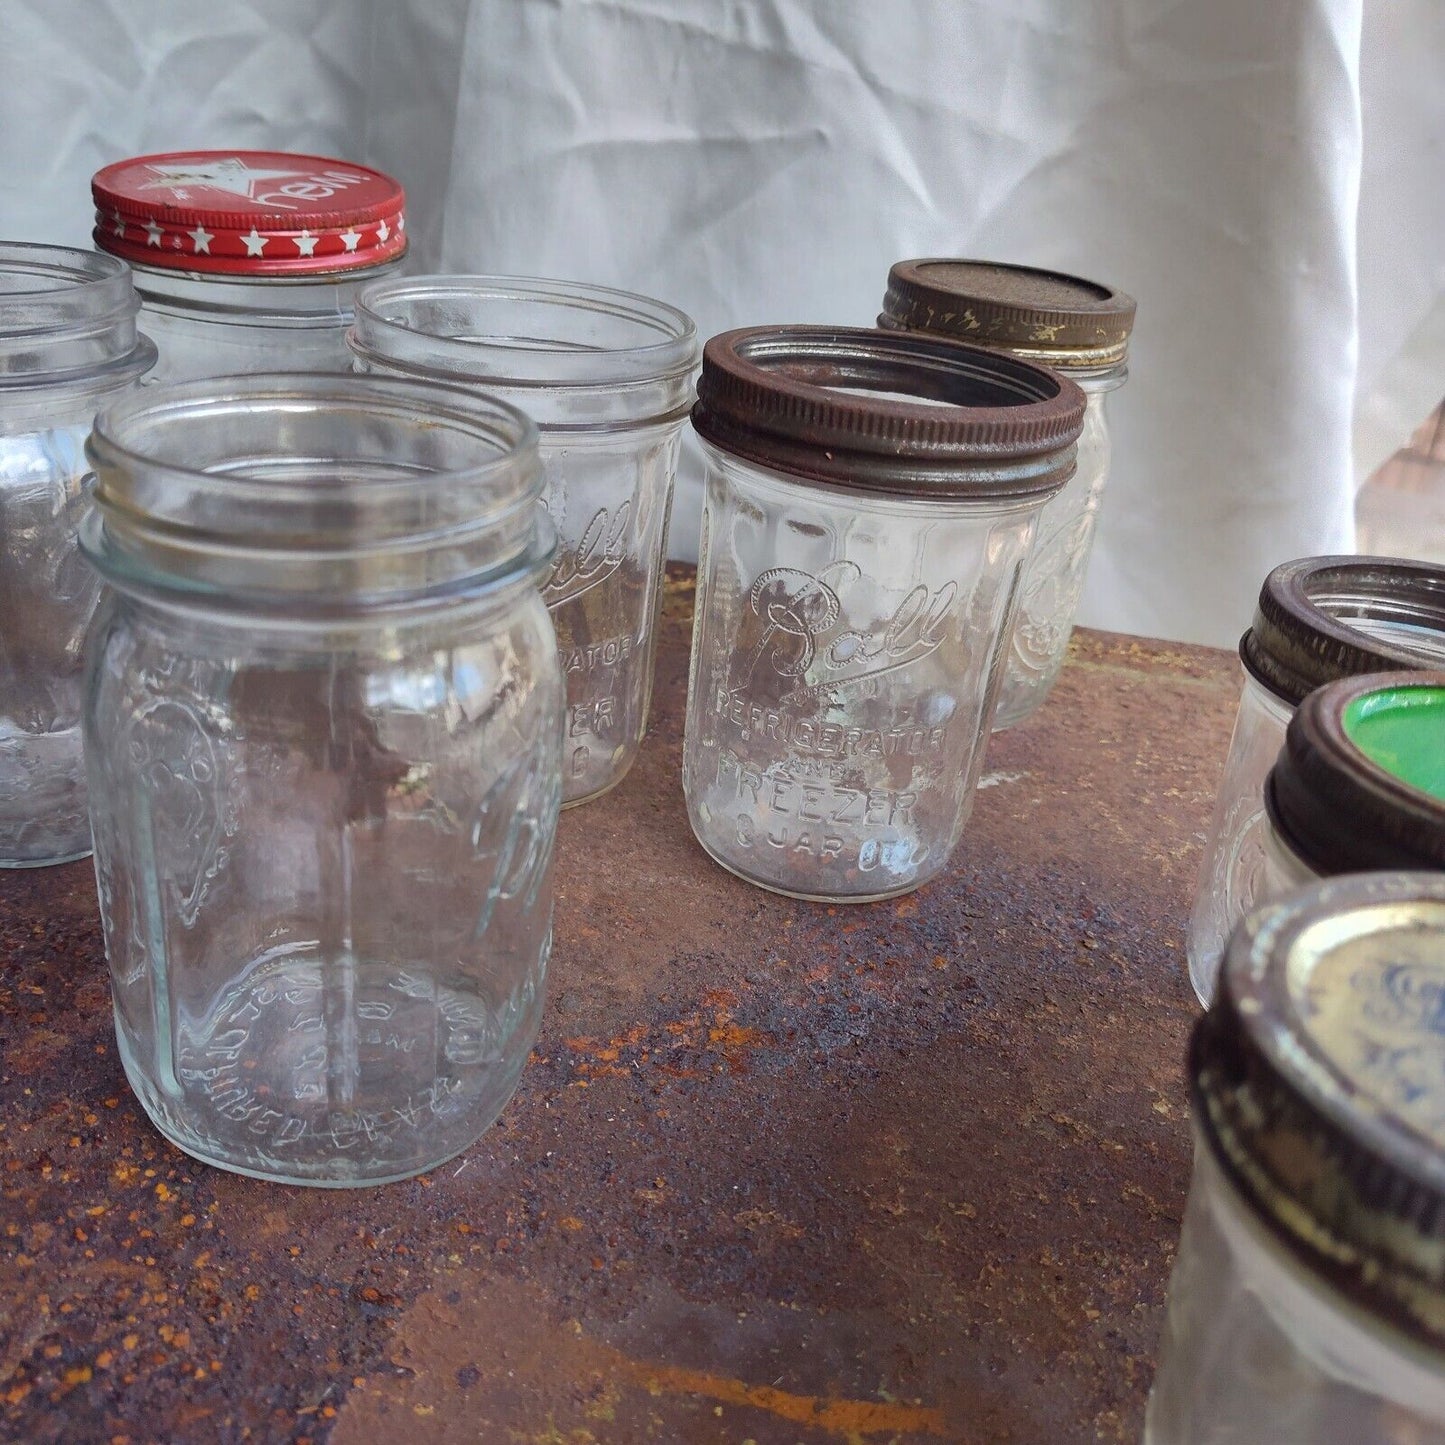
point(1076, 326)
point(323, 723)
point(1318, 619)
point(607, 376)
point(1307, 1303)
point(869, 503)
point(68, 344)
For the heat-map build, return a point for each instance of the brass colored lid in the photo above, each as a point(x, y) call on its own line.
point(1050, 316)
point(1319, 1084)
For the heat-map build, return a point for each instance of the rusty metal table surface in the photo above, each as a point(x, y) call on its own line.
point(776, 1172)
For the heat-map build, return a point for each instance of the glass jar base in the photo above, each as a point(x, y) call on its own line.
point(53, 862)
point(772, 887)
point(604, 789)
point(337, 1077)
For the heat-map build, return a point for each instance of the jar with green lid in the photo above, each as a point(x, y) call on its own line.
point(1307, 1303)
point(1318, 619)
point(1080, 328)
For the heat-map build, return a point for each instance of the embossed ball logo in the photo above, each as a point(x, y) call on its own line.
point(813, 627)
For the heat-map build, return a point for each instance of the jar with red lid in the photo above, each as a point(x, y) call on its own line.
point(248, 261)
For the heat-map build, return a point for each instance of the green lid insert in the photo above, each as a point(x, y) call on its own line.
point(1403, 730)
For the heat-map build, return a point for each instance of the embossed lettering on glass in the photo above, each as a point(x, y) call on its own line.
point(1318, 619)
point(1082, 329)
point(323, 728)
point(869, 503)
point(607, 377)
point(248, 261)
point(68, 342)
point(1306, 1305)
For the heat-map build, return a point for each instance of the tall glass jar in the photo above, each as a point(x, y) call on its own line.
point(1307, 1304)
point(68, 343)
point(322, 723)
point(249, 261)
point(869, 503)
point(1318, 619)
point(1078, 327)
point(607, 377)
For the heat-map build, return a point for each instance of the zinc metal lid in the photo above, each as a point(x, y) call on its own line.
point(1319, 1083)
point(1360, 781)
point(1322, 618)
point(896, 412)
point(248, 213)
point(1066, 321)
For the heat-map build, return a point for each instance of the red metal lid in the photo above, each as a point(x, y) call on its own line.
point(248, 213)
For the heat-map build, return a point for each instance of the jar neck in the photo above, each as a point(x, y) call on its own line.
point(316, 494)
point(1323, 1325)
point(67, 320)
point(325, 300)
point(574, 357)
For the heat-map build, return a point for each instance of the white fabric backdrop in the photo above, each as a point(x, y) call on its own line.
point(766, 161)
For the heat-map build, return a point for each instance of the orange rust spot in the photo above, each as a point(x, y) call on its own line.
point(731, 1036)
point(907, 908)
point(848, 1418)
point(570, 1222)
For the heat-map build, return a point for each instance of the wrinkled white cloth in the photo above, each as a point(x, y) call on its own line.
point(767, 161)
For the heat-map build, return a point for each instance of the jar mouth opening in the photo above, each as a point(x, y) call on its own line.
point(523, 331)
point(315, 484)
point(905, 412)
point(1321, 618)
point(65, 314)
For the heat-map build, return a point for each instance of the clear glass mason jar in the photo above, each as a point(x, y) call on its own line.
point(1318, 619)
point(1307, 1303)
point(249, 261)
point(607, 377)
point(323, 726)
point(869, 502)
point(68, 343)
point(1082, 329)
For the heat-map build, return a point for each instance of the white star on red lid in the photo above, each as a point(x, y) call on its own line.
point(119, 227)
point(153, 232)
point(351, 238)
point(382, 232)
point(228, 173)
point(255, 243)
point(306, 243)
point(202, 238)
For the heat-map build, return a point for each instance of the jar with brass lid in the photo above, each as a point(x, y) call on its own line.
point(1307, 1303)
point(1078, 327)
point(1318, 619)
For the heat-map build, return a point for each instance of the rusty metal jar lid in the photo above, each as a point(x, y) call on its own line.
point(1322, 618)
point(1318, 1085)
point(1049, 316)
point(1360, 781)
point(899, 413)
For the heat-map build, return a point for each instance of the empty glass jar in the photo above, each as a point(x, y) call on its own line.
point(1318, 619)
point(249, 260)
point(1307, 1304)
point(323, 723)
point(607, 377)
point(1078, 327)
point(870, 498)
point(68, 343)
